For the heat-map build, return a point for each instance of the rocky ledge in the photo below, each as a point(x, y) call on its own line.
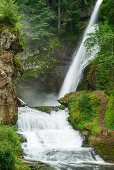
point(8, 75)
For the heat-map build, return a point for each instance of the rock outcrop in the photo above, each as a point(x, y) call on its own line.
point(97, 133)
point(8, 71)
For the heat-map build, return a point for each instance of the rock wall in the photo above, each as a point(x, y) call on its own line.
point(8, 95)
point(50, 80)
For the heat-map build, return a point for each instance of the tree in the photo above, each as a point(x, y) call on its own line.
point(59, 15)
point(103, 62)
point(9, 12)
point(37, 19)
point(107, 11)
point(103, 37)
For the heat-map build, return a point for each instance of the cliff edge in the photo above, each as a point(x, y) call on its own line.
point(9, 73)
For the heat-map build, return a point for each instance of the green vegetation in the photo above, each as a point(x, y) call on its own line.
point(107, 11)
point(10, 19)
point(30, 73)
point(109, 115)
point(44, 108)
point(62, 107)
point(18, 65)
point(9, 13)
point(10, 149)
point(103, 37)
point(43, 66)
point(42, 19)
point(83, 111)
point(45, 25)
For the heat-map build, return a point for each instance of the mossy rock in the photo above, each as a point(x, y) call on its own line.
point(46, 109)
point(62, 107)
point(37, 165)
point(64, 100)
point(88, 81)
point(104, 145)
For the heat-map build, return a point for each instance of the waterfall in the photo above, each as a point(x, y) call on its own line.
point(81, 58)
point(49, 137)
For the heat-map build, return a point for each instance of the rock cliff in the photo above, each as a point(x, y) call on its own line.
point(8, 73)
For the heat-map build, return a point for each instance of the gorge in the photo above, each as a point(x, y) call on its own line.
point(57, 56)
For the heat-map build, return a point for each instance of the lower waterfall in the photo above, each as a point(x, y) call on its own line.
point(52, 140)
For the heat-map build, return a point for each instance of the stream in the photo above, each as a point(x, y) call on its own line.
point(52, 140)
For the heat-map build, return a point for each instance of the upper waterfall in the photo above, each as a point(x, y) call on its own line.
point(81, 58)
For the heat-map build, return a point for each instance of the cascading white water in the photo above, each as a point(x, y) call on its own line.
point(51, 139)
point(81, 58)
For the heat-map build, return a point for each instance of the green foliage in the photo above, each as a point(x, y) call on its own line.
point(104, 73)
point(68, 36)
point(9, 12)
point(44, 108)
point(107, 11)
point(10, 149)
point(37, 18)
point(40, 18)
point(18, 65)
point(62, 107)
point(104, 60)
point(43, 61)
point(103, 37)
point(85, 2)
point(53, 42)
point(94, 127)
point(70, 14)
point(109, 115)
point(83, 111)
point(30, 73)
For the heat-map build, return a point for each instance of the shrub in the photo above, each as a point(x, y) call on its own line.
point(109, 115)
point(10, 149)
point(84, 111)
point(9, 12)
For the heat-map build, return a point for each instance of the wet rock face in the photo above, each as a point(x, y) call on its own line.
point(8, 96)
point(51, 80)
point(6, 39)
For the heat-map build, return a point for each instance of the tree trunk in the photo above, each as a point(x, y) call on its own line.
point(59, 16)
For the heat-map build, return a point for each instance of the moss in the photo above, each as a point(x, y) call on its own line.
point(88, 81)
point(109, 115)
point(20, 41)
point(30, 73)
point(83, 26)
point(53, 42)
point(65, 99)
point(62, 107)
point(84, 115)
point(2, 52)
point(18, 65)
point(3, 27)
point(104, 146)
point(83, 111)
point(93, 126)
point(44, 108)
